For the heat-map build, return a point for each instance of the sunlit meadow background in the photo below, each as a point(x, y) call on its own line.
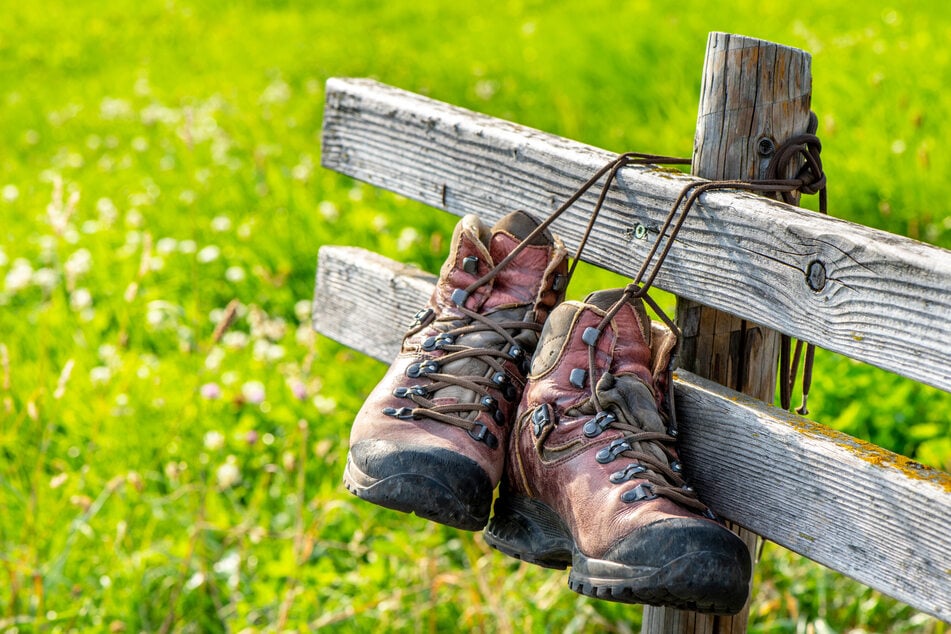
point(172, 431)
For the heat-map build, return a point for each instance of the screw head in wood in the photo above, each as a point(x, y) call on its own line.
point(766, 147)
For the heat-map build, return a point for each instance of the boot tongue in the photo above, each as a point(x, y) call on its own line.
point(520, 225)
point(633, 403)
point(518, 283)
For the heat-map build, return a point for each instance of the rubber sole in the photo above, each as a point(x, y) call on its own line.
point(702, 580)
point(437, 485)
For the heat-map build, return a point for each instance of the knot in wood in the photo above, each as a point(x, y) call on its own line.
point(816, 275)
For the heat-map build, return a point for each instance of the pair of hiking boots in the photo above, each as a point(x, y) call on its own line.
point(501, 381)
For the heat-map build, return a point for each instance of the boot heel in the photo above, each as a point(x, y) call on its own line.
point(529, 530)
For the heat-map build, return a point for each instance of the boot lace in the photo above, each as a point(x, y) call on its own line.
point(449, 337)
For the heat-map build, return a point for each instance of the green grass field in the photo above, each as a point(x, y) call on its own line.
point(159, 172)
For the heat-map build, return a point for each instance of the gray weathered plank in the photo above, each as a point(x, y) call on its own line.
point(871, 514)
point(886, 299)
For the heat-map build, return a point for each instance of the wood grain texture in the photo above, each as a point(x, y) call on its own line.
point(886, 300)
point(753, 93)
point(871, 514)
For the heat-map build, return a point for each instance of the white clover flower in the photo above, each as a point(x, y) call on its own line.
point(253, 392)
point(228, 473)
point(195, 581)
point(324, 404)
point(19, 275)
point(100, 375)
point(113, 108)
point(235, 339)
point(140, 144)
point(187, 246)
point(10, 193)
point(215, 358)
point(220, 223)
point(278, 91)
point(235, 274)
point(302, 310)
point(46, 278)
point(80, 299)
point(328, 210)
point(208, 254)
point(78, 263)
point(407, 238)
point(229, 564)
point(165, 246)
point(214, 440)
point(107, 210)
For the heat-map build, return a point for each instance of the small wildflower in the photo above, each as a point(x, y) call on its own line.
point(228, 473)
point(166, 245)
point(214, 440)
point(46, 278)
point(215, 358)
point(187, 247)
point(302, 310)
point(80, 299)
point(235, 339)
point(298, 389)
point(324, 404)
point(220, 224)
point(407, 238)
point(195, 581)
point(19, 275)
point(328, 210)
point(58, 480)
point(253, 392)
point(10, 193)
point(235, 274)
point(208, 254)
point(100, 374)
point(78, 263)
point(251, 437)
point(210, 391)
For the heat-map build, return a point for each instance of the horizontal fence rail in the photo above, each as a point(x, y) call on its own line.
point(864, 293)
point(852, 506)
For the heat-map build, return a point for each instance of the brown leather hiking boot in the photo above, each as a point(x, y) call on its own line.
point(432, 436)
point(593, 478)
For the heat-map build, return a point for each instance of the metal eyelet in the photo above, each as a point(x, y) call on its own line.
point(676, 467)
point(438, 342)
point(412, 390)
point(470, 264)
point(516, 353)
point(541, 418)
point(481, 433)
point(459, 297)
point(501, 379)
point(612, 451)
point(422, 316)
point(641, 492)
point(600, 422)
point(627, 473)
point(417, 370)
point(403, 413)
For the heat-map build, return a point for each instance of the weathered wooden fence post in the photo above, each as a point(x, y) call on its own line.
point(754, 96)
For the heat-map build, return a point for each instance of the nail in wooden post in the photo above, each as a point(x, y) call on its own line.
point(754, 96)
